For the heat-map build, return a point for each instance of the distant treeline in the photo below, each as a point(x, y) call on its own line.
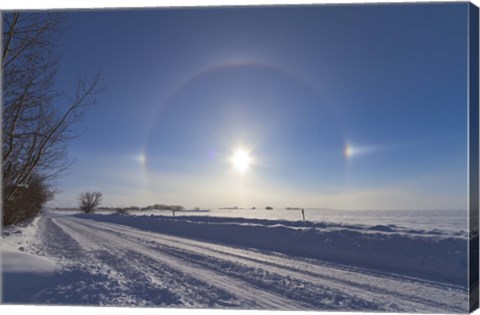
point(156, 206)
point(136, 208)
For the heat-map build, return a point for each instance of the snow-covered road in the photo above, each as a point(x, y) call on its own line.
point(113, 264)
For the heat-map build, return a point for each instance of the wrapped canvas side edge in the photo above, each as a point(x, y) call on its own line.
point(473, 165)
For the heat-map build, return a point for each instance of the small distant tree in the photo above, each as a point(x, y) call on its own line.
point(89, 201)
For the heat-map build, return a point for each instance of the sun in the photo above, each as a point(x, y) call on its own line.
point(241, 160)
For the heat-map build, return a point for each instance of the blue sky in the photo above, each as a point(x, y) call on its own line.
point(349, 106)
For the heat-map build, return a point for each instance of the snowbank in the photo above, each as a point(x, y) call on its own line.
point(17, 262)
point(20, 237)
point(24, 273)
point(430, 255)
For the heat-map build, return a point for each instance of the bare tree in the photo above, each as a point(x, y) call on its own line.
point(37, 120)
point(89, 201)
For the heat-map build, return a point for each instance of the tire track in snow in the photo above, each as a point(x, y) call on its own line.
point(253, 296)
point(144, 278)
point(83, 280)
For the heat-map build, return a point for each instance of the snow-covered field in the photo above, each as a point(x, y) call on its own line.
point(454, 221)
point(236, 259)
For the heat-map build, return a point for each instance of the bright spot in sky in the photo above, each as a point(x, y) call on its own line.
point(351, 151)
point(348, 151)
point(241, 160)
point(141, 158)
